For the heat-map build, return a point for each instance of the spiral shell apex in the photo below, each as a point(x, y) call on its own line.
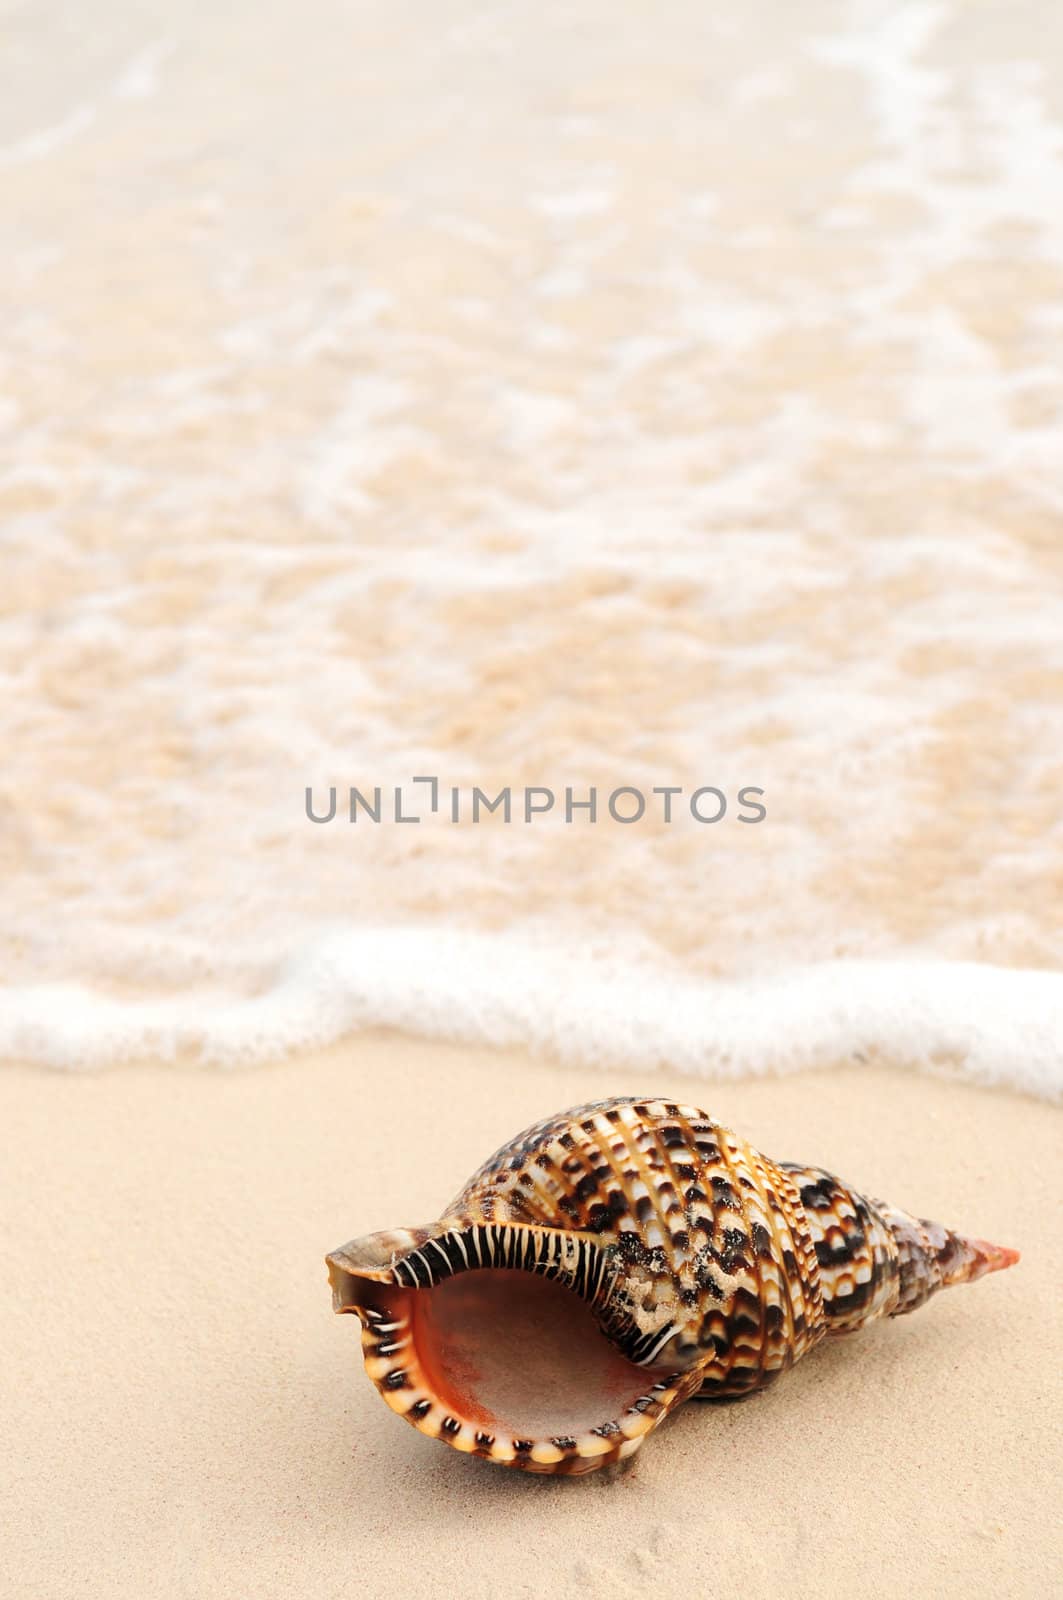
point(610, 1263)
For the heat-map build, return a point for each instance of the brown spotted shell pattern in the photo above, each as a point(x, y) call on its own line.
point(610, 1263)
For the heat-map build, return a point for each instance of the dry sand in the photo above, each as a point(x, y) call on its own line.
point(189, 1419)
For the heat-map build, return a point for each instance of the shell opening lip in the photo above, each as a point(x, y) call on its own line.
point(350, 1284)
point(503, 1364)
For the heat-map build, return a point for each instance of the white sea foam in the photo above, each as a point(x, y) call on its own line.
point(41, 142)
point(139, 79)
point(984, 1024)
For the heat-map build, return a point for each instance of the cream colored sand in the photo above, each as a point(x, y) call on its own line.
point(189, 1419)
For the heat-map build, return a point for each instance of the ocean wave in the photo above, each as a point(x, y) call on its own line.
point(986, 1025)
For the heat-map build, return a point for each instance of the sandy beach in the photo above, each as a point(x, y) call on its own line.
point(190, 1419)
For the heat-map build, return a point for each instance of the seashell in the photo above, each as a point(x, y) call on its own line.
point(618, 1259)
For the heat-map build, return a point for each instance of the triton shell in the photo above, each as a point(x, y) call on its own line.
point(614, 1261)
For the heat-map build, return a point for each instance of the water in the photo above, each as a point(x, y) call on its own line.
point(554, 397)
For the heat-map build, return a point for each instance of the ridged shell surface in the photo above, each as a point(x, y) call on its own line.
point(714, 1259)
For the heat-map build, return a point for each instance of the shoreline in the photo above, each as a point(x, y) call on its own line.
point(970, 1021)
point(190, 1417)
